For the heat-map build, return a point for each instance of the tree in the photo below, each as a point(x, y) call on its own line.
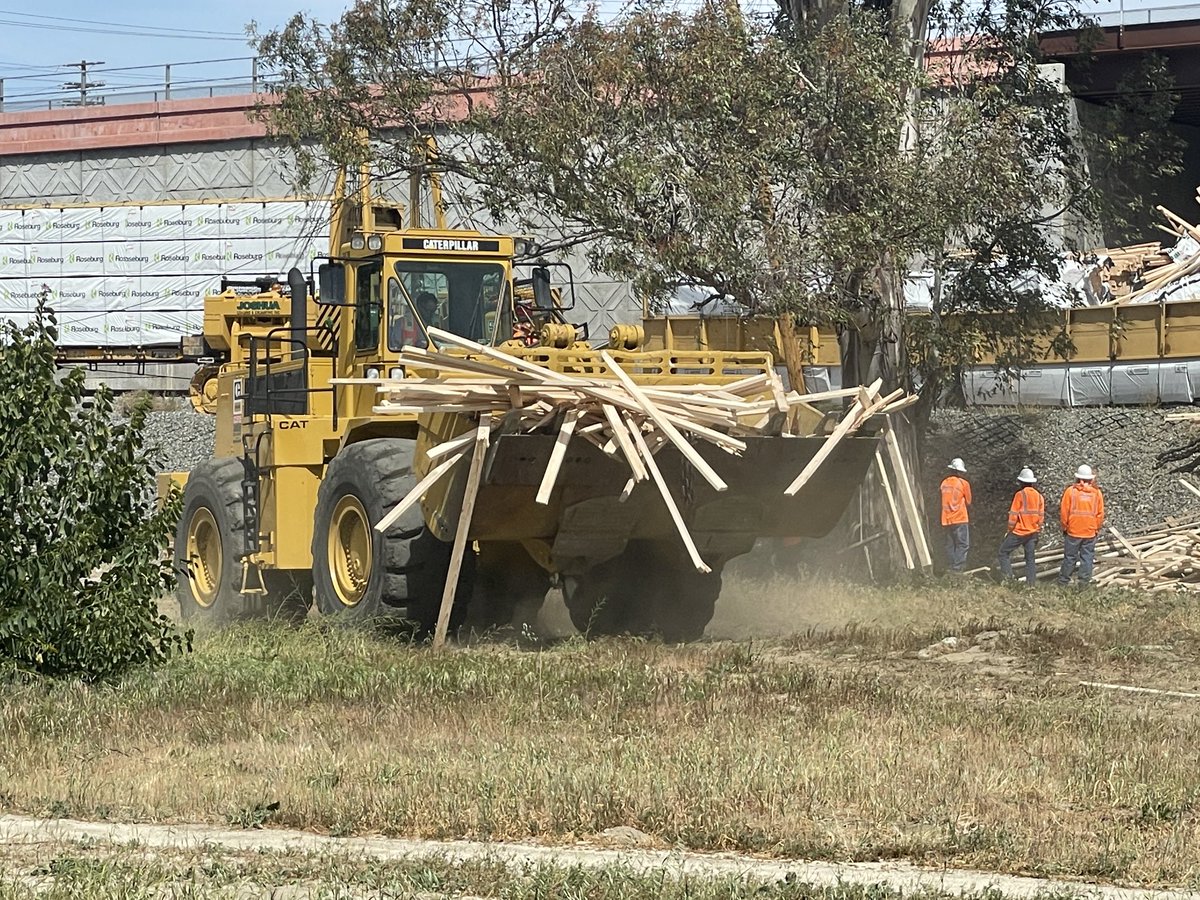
point(798, 165)
point(84, 561)
point(1132, 151)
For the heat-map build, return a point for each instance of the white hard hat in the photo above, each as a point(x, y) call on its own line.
point(1084, 473)
point(1027, 476)
point(957, 465)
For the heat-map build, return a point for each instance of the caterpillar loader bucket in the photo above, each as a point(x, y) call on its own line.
point(587, 521)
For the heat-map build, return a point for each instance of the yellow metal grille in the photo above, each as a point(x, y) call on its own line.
point(653, 366)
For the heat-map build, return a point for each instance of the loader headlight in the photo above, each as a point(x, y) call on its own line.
point(374, 242)
point(373, 372)
point(357, 242)
point(525, 247)
point(396, 373)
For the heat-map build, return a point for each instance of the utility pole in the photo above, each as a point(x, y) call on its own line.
point(83, 85)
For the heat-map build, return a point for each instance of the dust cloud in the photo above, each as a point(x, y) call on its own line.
point(768, 596)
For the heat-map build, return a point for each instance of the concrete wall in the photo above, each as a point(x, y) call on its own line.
point(226, 170)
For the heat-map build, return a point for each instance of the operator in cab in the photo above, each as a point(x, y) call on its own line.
point(407, 330)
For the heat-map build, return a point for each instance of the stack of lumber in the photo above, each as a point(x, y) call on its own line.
point(604, 404)
point(1128, 264)
point(1165, 558)
point(1174, 270)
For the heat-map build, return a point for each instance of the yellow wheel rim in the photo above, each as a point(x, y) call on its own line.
point(351, 550)
point(205, 556)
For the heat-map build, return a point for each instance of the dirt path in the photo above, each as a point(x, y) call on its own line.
point(899, 876)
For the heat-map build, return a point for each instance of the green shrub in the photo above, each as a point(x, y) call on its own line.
point(83, 545)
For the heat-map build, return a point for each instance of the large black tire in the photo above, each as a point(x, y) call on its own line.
point(609, 599)
point(510, 587)
point(650, 589)
point(208, 545)
point(367, 578)
point(685, 602)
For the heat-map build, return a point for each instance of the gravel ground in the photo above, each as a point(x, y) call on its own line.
point(183, 438)
point(1120, 444)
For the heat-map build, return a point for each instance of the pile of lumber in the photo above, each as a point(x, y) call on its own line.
point(602, 403)
point(1127, 265)
point(1163, 558)
point(1175, 267)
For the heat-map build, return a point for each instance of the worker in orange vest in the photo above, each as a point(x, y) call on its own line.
point(956, 501)
point(1082, 515)
point(1025, 518)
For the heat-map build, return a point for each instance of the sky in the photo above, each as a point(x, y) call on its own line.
point(38, 41)
point(137, 33)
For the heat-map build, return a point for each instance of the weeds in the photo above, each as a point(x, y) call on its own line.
point(80, 874)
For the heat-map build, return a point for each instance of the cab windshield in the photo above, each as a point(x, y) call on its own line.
point(466, 298)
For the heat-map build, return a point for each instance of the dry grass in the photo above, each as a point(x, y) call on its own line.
point(834, 743)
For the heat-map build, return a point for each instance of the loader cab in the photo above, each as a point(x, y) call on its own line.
point(393, 288)
point(390, 289)
point(467, 297)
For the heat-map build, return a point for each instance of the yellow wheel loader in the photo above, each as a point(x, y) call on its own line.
point(304, 467)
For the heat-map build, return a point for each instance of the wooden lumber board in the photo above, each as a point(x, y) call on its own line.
point(474, 475)
point(1180, 221)
point(1124, 543)
point(623, 440)
point(540, 373)
point(1191, 487)
point(607, 394)
point(906, 495)
point(903, 404)
point(395, 409)
point(501, 368)
point(848, 423)
point(897, 522)
point(1130, 689)
point(557, 455)
point(665, 426)
point(549, 375)
point(459, 443)
point(839, 394)
point(430, 479)
point(777, 394)
point(672, 508)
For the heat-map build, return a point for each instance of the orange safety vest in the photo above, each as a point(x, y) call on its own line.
point(1027, 512)
point(1082, 511)
point(956, 497)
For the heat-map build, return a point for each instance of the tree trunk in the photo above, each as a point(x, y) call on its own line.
point(793, 357)
point(875, 350)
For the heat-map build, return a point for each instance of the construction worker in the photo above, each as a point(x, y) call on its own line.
point(1082, 515)
point(1025, 518)
point(956, 501)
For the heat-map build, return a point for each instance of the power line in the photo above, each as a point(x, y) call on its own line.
point(144, 67)
point(25, 15)
point(124, 33)
point(118, 90)
point(25, 66)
